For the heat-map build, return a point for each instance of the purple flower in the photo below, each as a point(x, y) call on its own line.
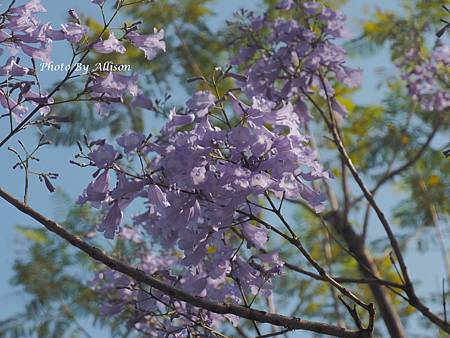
point(42, 53)
point(338, 107)
point(194, 284)
point(350, 77)
point(74, 15)
point(441, 54)
point(109, 45)
point(244, 271)
point(255, 235)
point(150, 44)
point(111, 222)
point(105, 108)
point(107, 310)
point(111, 89)
point(314, 198)
point(422, 83)
point(103, 156)
point(32, 6)
point(131, 235)
point(97, 190)
point(239, 137)
point(22, 18)
point(130, 141)
point(312, 7)
point(18, 111)
point(302, 111)
point(157, 199)
point(245, 53)
point(271, 263)
point(37, 98)
point(196, 256)
point(285, 4)
point(260, 181)
point(146, 303)
point(73, 32)
point(11, 68)
point(142, 101)
point(48, 184)
point(126, 190)
point(115, 85)
point(335, 23)
point(200, 174)
point(201, 102)
point(176, 120)
point(53, 34)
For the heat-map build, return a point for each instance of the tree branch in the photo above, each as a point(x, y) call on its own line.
point(291, 323)
point(295, 241)
point(316, 276)
point(408, 287)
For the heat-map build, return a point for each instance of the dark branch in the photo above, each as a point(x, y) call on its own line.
point(291, 323)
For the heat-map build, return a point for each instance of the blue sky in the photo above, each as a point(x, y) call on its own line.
point(73, 179)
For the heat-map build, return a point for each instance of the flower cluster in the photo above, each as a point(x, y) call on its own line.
point(112, 88)
point(216, 167)
point(426, 78)
point(149, 306)
point(22, 33)
point(295, 60)
point(205, 183)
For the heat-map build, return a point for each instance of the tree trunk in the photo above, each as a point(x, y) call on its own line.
point(369, 269)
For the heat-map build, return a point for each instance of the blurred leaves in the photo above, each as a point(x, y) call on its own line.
point(55, 278)
point(33, 235)
point(52, 274)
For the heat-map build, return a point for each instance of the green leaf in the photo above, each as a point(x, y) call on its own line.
point(35, 235)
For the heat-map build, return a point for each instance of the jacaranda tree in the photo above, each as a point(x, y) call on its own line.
point(211, 247)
